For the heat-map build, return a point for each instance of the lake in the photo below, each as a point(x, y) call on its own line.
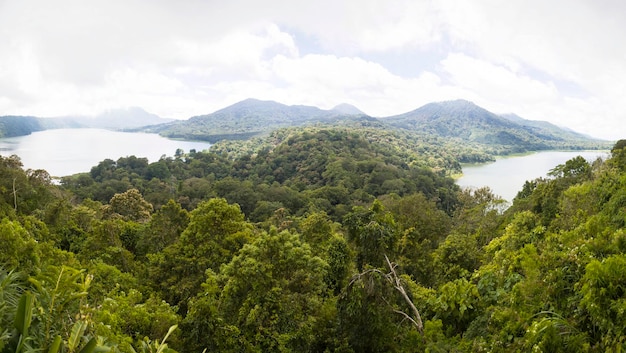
point(506, 176)
point(64, 152)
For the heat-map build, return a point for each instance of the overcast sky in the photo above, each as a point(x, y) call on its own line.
point(562, 61)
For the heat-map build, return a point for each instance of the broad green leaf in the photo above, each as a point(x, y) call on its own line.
point(24, 313)
point(77, 333)
point(56, 345)
point(90, 347)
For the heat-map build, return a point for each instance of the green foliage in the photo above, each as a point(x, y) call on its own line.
point(216, 232)
point(456, 304)
point(373, 232)
point(270, 295)
point(280, 244)
point(376, 312)
point(154, 346)
point(458, 256)
point(107, 243)
point(604, 299)
point(129, 315)
point(164, 228)
point(130, 206)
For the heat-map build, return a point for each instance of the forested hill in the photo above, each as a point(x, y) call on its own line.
point(249, 118)
point(11, 126)
point(468, 122)
point(118, 119)
point(322, 240)
point(455, 121)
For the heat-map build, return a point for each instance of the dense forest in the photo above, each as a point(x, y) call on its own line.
point(459, 123)
point(311, 240)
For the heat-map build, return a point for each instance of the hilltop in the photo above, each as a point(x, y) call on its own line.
point(468, 122)
point(248, 118)
point(457, 121)
point(478, 133)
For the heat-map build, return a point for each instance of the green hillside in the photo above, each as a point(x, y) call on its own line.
point(468, 122)
point(316, 240)
point(457, 122)
point(244, 120)
point(132, 118)
point(11, 126)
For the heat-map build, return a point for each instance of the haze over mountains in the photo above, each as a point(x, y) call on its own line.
point(117, 119)
point(128, 118)
point(467, 121)
point(458, 120)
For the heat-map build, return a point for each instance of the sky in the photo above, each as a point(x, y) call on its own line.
point(562, 61)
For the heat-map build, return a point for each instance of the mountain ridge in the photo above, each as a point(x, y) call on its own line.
point(248, 118)
point(459, 120)
point(114, 119)
point(469, 122)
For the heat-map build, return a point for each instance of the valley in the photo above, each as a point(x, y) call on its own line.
point(341, 233)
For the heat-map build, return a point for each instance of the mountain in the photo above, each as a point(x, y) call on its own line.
point(459, 118)
point(539, 125)
point(119, 119)
point(11, 126)
point(348, 109)
point(457, 122)
point(245, 119)
point(467, 122)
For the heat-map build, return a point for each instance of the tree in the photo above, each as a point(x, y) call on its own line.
point(422, 226)
point(128, 314)
point(373, 308)
point(164, 228)
point(216, 232)
point(266, 299)
point(105, 243)
point(373, 232)
point(18, 249)
point(603, 300)
point(131, 206)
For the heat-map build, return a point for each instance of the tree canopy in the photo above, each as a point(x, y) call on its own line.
point(317, 240)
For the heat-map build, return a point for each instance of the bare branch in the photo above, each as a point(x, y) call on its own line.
point(408, 318)
point(398, 285)
point(14, 194)
point(396, 282)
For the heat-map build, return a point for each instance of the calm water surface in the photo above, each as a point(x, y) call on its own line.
point(64, 152)
point(506, 176)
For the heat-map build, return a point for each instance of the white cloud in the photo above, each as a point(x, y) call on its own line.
point(552, 60)
point(496, 84)
point(355, 26)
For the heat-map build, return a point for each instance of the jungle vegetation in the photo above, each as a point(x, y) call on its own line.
point(312, 240)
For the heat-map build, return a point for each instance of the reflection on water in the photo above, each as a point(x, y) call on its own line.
point(68, 151)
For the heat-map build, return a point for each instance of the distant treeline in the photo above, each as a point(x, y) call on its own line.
point(11, 126)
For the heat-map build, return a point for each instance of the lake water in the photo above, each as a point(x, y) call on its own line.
point(69, 151)
point(506, 176)
point(64, 152)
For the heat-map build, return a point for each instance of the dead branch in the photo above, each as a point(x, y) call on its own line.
point(397, 283)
